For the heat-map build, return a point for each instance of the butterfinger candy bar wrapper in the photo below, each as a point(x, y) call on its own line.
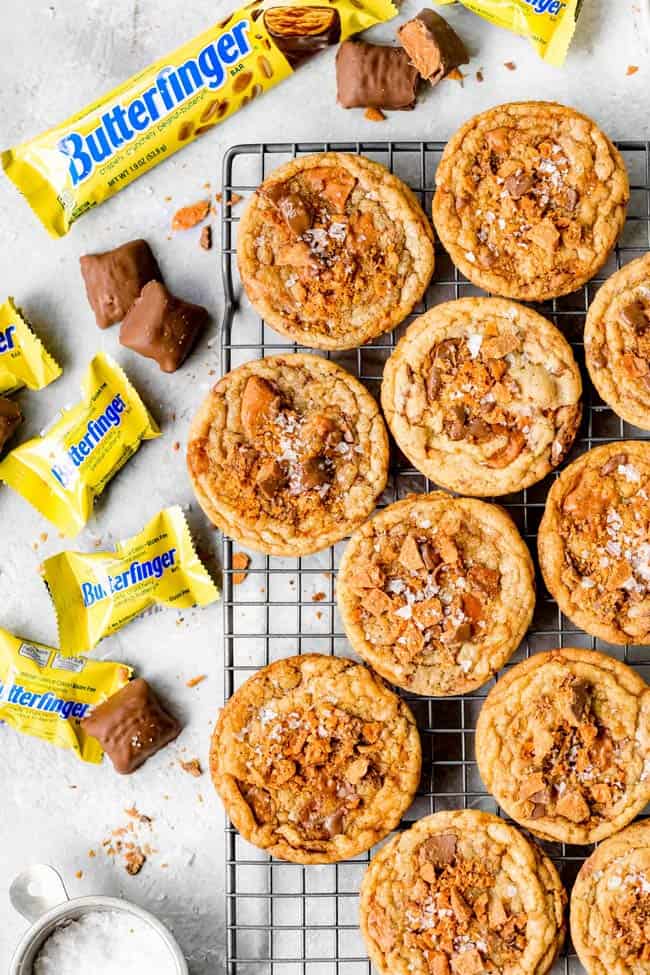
point(82, 162)
point(96, 594)
point(61, 472)
point(548, 24)
point(46, 694)
point(23, 360)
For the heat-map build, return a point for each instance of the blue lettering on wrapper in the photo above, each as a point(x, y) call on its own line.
point(7, 339)
point(173, 86)
point(48, 702)
point(95, 592)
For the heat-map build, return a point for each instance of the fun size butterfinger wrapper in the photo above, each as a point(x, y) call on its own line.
point(62, 472)
point(85, 160)
point(96, 594)
point(548, 24)
point(23, 360)
point(46, 694)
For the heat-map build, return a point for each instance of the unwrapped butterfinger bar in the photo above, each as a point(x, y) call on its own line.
point(85, 160)
point(432, 45)
point(375, 76)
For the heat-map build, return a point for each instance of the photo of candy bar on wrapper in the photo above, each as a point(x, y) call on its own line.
point(78, 164)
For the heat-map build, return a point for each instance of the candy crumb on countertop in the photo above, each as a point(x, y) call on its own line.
point(374, 115)
point(192, 767)
point(195, 681)
point(189, 216)
point(240, 561)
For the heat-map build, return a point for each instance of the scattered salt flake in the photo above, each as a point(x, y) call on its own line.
point(614, 883)
point(629, 472)
point(404, 612)
point(470, 256)
point(474, 343)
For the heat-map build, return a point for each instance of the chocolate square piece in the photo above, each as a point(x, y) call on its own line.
point(162, 327)
point(10, 420)
point(131, 726)
point(432, 45)
point(115, 279)
point(375, 76)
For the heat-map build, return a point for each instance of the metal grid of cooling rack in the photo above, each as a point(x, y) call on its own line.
point(287, 919)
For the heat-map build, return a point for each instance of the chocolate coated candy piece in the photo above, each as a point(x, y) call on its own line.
point(115, 279)
point(300, 32)
point(162, 327)
point(10, 420)
point(375, 76)
point(431, 44)
point(131, 726)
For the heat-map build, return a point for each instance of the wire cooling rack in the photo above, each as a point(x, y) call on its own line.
point(287, 919)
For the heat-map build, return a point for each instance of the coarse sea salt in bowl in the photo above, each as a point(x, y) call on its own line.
point(102, 935)
point(106, 943)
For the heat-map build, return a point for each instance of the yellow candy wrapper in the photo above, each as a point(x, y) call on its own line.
point(23, 360)
point(46, 694)
point(88, 158)
point(548, 24)
point(96, 594)
point(61, 472)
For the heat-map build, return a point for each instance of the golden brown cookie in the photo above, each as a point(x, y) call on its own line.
point(436, 593)
point(315, 759)
point(594, 542)
point(288, 454)
point(563, 744)
point(333, 250)
point(617, 342)
point(483, 395)
point(610, 905)
point(530, 199)
point(462, 893)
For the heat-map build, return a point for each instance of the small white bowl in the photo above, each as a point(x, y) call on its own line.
point(69, 910)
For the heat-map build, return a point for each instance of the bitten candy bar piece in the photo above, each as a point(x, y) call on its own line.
point(433, 47)
point(375, 76)
point(162, 327)
point(131, 726)
point(10, 420)
point(115, 279)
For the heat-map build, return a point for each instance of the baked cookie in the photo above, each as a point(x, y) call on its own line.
point(436, 593)
point(617, 342)
point(462, 893)
point(563, 744)
point(315, 759)
point(530, 199)
point(610, 905)
point(333, 250)
point(288, 454)
point(483, 395)
point(594, 542)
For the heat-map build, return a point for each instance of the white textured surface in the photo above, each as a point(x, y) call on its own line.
point(104, 943)
point(56, 56)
